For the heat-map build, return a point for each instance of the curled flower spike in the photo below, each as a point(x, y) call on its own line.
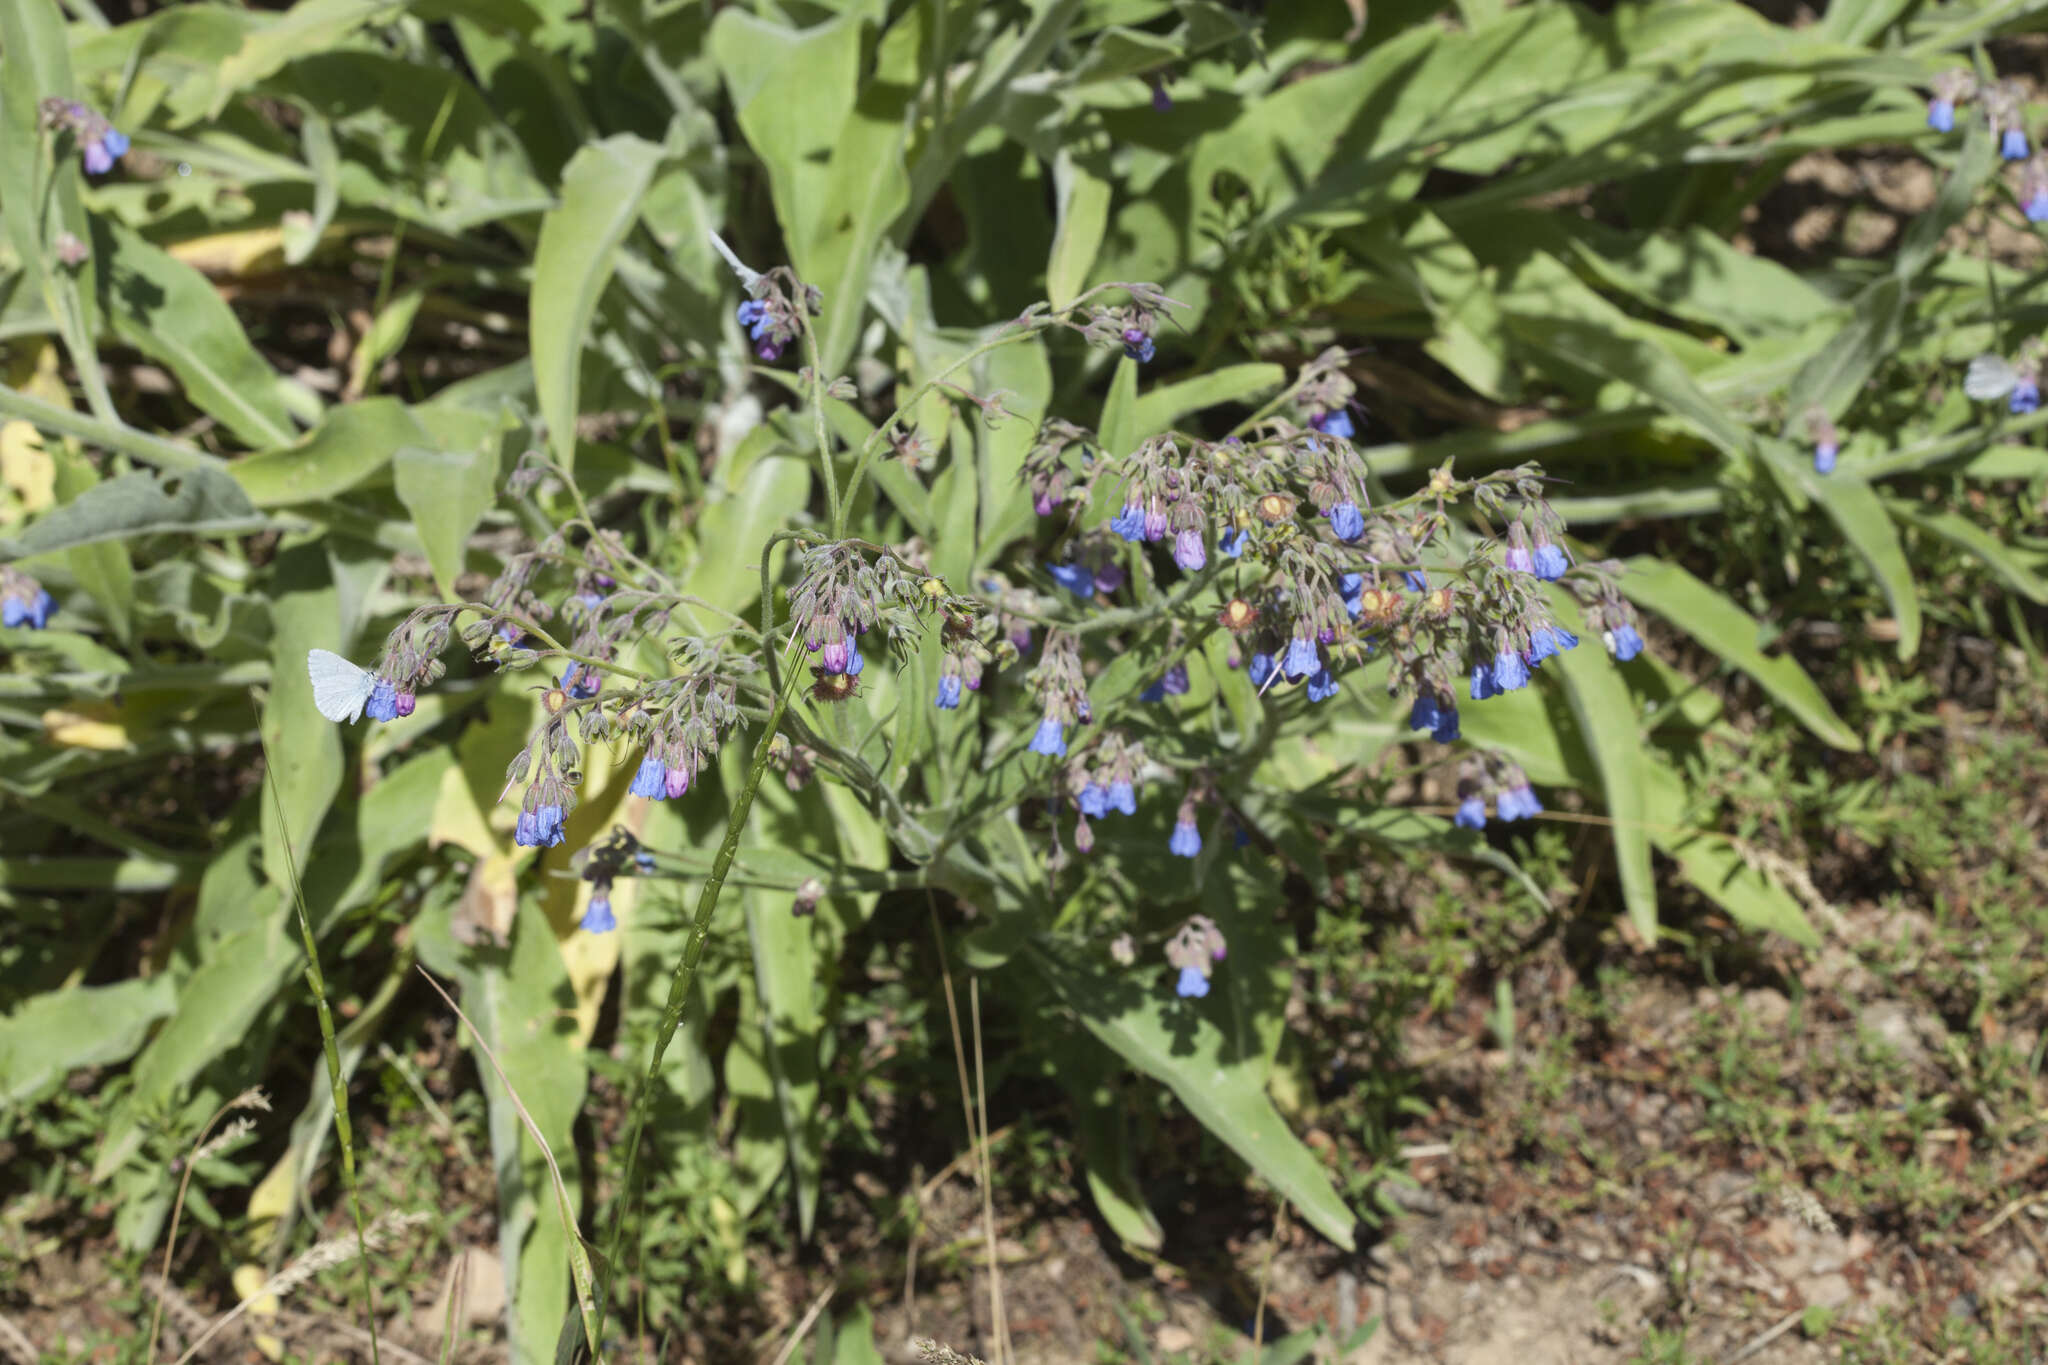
point(1623, 642)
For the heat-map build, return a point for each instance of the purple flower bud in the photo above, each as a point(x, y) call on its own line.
point(1188, 551)
point(405, 703)
point(1155, 524)
point(2026, 397)
point(1084, 835)
point(1109, 577)
point(1138, 346)
point(1161, 101)
point(1824, 453)
point(1043, 502)
point(1518, 559)
point(676, 781)
point(835, 655)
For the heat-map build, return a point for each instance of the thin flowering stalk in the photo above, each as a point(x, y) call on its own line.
point(337, 1084)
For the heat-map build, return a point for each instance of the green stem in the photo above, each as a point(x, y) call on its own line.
point(835, 509)
point(337, 1083)
point(679, 991)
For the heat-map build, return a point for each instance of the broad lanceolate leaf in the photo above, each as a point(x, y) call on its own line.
point(1174, 1041)
point(1731, 633)
point(447, 492)
point(352, 443)
point(168, 311)
point(197, 502)
point(1608, 725)
point(1856, 511)
point(62, 1030)
point(601, 191)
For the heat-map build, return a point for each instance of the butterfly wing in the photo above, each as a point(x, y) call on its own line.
point(1990, 377)
point(340, 689)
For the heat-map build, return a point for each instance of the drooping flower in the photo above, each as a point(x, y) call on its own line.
point(676, 782)
point(1232, 542)
point(2026, 396)
point(1425, 713)
point(1518, 803)
point(1346, 521)
point(1138, 345)
point(1333, 422)
point(1093, 800)
point(1188, 552)
point(1051, 738)
point(1186, 841)
point(949, 692)
point(650, 780)
point(1623, 642)
point(1483, 685)
point(1123, 796)
point(755, 316)
point(643, 860)
point(1548, 559)
point(581, 682)
point(1824, 453)
point(1471, 813)
point(1351, 587)
point(25, 602)
point(2036, 207)
point(1161, 101)
point(101, 152)
point(1510, 670)
point(1077, 578)
point(1518, 558)
point(1109, 576)
point(1302, 658)
point(1321, 686)
point(1130, 523)
point(1155, 523)
point(1416, 580)
point(2013, 145)
point(1261, 669)
point(1941, 115)
point(383, 702)
point(540, 827)
point(597, 915)
point(1193, 983)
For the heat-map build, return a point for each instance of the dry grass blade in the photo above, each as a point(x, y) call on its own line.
point(15, 1346)
point(579, 1255)
point(252, 1098)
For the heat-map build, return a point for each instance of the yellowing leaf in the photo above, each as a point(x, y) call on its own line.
point(35, 368)
point(94, 725)
point(26, 467)
point(233, 253)
point(459, 821)
point(591, 958)
point(249, 1281)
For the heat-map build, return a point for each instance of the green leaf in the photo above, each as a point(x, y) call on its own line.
point(304, 746)
point(1730, 633)
point(601, 191)
point(1106, 1147)
point(101, 569)
point(517, 1000)
point(197, 502)
point(1082, 192)
point(1178, 1044)
point(170, 312)
point(1712, 863)
point(308, 27)
point(1612, 734)
point(1118, 431)
point(1857, 512)
point(447, 492)
point(1836, 373)
point(1966, 535)
point(352, 443)
point(1164, 404)
point(59, 1031)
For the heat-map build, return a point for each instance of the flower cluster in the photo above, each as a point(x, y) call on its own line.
point(601, 864)
point(1513, 797)
point(1133, 325)
point(1106, 779)
point(1061, 691)
point(2002, 102)
point(1194, 950)
point(100, 143)
point(24, 601)
point(847, 588)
